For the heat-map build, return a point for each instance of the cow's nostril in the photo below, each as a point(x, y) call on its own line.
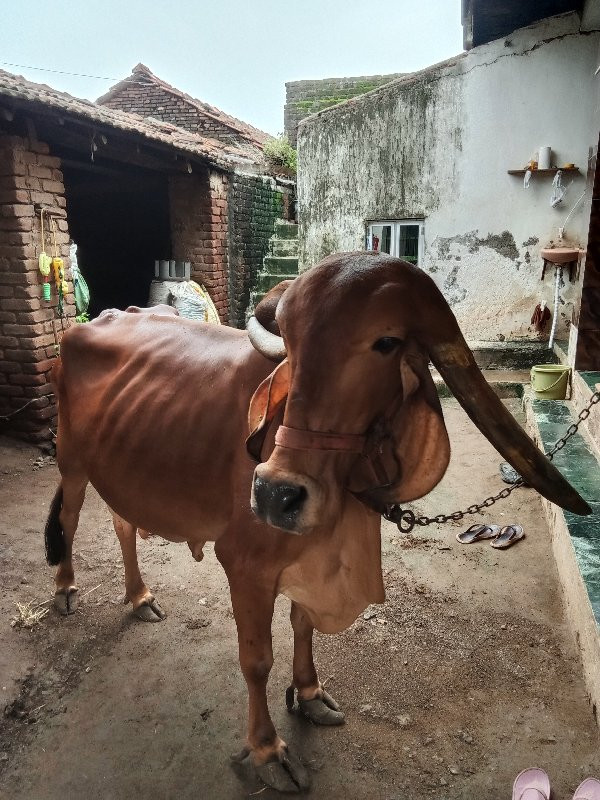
point(279, 504)
point(292, 498)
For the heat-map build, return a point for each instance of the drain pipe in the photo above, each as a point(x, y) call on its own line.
point(558, 274)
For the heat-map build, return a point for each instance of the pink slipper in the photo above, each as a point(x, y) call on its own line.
point(588, 790)
point(532, 784)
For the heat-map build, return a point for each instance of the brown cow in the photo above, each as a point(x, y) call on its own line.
point(153, 412)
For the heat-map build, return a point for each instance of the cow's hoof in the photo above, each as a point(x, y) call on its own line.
point(322, 710)
point(66, 601)
point(287, 774)
point(149, 611)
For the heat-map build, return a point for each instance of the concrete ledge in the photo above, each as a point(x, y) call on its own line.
point(575, 540)
point(512, 355)
point(506, 383)
point(584, 385)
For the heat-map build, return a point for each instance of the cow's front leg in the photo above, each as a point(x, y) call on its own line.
point(253, 611)
point(314, 702)
point(145, 605)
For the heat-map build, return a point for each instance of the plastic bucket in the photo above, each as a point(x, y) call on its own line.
point(549, 381)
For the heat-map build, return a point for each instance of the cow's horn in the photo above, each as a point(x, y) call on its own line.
point(267, 343)
point(457, 366)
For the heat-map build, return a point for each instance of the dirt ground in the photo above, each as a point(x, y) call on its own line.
point(466, 675)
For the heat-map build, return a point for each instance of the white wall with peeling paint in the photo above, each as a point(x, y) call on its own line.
point(437, 145)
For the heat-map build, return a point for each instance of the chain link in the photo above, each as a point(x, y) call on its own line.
point(406, 519)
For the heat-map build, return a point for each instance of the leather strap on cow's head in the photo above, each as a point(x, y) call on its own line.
point(400, 457)
point(296, 439)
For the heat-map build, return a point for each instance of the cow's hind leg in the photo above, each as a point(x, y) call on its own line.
point(314, 702)
point(145, 605)
point(253, 611)
point(59, 533)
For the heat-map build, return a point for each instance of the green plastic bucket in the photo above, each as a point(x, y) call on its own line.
point(550, 381)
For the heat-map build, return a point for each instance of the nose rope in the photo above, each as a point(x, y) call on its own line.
point(295, 439)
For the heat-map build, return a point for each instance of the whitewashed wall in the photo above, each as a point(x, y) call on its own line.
point(437, 145)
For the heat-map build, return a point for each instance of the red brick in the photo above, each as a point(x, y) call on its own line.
point(11, 391)
point(44, 413)
point(27, 380)
point(37, 367)
point(26, 356)
point(16, 223)
point(32, 343)
point(29, 291)
point(8, 367)
point(24, 330)
point(39, 147)
point(53, 186)
point(37, 171)
point(50, 161)
point(41, 315)
point(14, 196)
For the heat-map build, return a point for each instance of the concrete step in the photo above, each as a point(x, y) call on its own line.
point(522, 354)
point(267, 280)
point(280, 265)
point(285, 229)
point(283, 247)
point(505, 382)
point(575, 540)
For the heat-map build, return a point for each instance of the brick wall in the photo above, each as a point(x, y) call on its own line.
point(198, 210)
point(28, 175)
point(307, 97)
point(254, 205)
point(150, 100)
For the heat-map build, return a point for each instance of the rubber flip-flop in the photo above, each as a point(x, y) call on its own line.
point(509, 474)
point(589, 789)
point(477, 532)
point(509, 535)
point(531, 784)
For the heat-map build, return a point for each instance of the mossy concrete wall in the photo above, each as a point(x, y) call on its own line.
point(436, 145)
point(254, 205)
point(303, 98)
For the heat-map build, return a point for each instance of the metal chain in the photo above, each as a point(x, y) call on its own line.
point(406, 519)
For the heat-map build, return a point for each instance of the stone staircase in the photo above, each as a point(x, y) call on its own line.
point(280, 263)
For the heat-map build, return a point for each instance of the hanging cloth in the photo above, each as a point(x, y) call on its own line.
point(80, 287)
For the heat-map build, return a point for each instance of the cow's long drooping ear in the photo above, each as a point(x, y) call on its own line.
point(415, 456)
point(266, 401)
point(262, 327)
point(435, 325)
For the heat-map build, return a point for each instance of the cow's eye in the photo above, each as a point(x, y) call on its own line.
point(386, 344)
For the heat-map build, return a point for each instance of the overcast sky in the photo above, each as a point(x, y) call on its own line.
point(235, 54)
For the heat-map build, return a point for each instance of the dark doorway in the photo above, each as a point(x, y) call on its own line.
point(119, 220)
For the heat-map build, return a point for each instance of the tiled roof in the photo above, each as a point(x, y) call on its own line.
point(23, 93)
point(141, 74)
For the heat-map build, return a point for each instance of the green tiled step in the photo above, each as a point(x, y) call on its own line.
point(580, 467)
point(591, 378)
point(276, 265)
point(286, 230)
point(283, 247)
point(266, 280)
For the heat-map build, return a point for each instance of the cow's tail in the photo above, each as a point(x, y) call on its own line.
point(54, 536)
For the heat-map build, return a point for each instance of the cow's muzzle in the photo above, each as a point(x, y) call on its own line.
point(285, 500)
point(279, 504)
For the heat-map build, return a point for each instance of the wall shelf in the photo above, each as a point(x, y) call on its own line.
point(552, 171)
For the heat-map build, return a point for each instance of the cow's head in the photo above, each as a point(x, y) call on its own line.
point(361, 410)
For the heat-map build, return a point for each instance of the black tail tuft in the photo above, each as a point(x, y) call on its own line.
point(54, 537)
